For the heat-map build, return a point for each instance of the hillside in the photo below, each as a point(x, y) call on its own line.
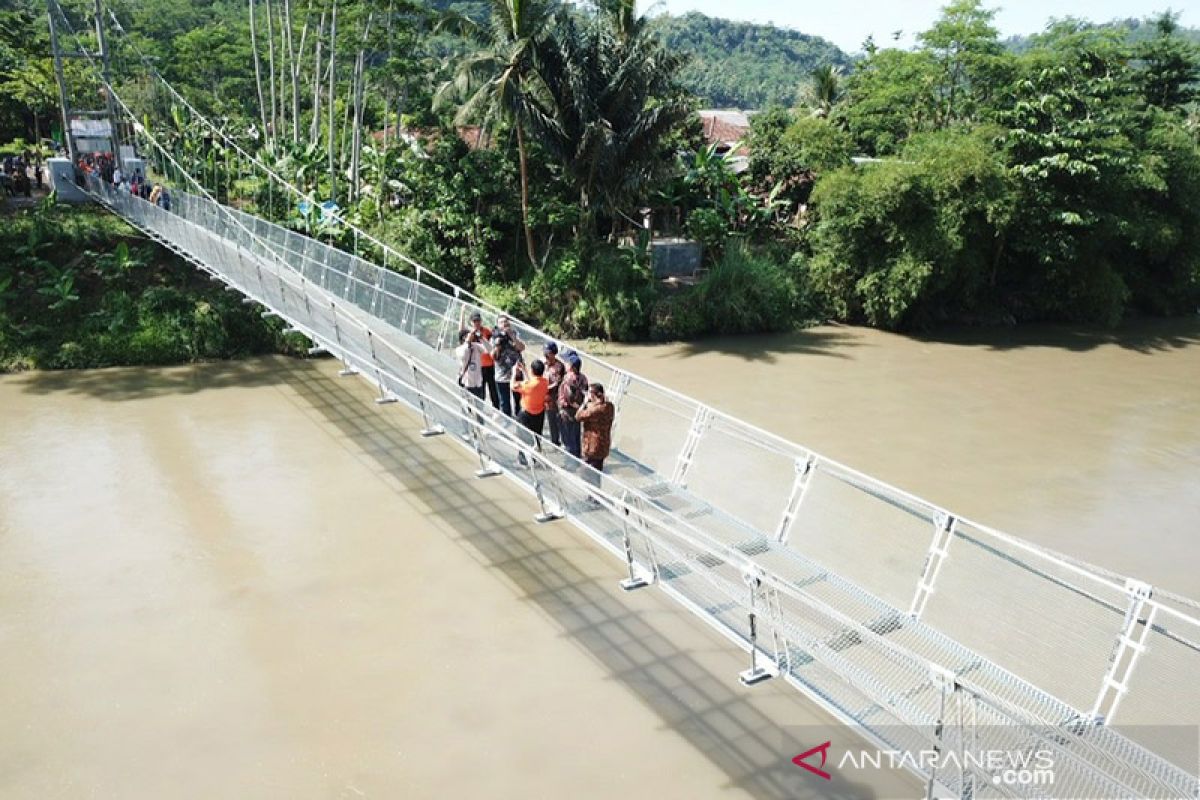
point(743, 65)
point(1136, 31)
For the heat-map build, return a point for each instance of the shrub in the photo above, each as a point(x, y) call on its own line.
point(676, 316)
point(746, 293)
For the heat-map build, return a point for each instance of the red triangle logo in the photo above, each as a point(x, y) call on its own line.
point(823, 749)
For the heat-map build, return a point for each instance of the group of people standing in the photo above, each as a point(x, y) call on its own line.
point(104, 166)
point(552, 388)
point(14, 175)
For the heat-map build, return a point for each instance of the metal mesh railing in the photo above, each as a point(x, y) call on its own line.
point(885, 607)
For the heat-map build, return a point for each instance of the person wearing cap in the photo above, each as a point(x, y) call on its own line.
point(506, 352)
point(556, 370)
point(487, 365)
point(571, 395)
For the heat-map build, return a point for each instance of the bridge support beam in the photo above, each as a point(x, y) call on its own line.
point(805, 470)
point(944, 526)
point(1127, 650)
point(683, 463)
point(757, 673)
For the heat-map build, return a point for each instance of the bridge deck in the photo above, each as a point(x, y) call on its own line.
point(863, 654)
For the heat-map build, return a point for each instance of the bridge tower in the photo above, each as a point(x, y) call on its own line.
point(84, 130)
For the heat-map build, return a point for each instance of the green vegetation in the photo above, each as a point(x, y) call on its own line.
point(743, 65)
point(79, 288)
point(514, 145)
point(1058, 184)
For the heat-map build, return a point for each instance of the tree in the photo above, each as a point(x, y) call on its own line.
point(824, 89)
point(970, 62)
point(501, 78)
point(611, 99)
point(907, 243)
point(1172, 65)
point(888, 99)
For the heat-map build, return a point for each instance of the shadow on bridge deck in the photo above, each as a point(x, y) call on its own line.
point(674, 664)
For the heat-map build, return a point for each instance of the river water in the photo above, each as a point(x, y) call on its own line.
point(248, 580)
point(1086, 442)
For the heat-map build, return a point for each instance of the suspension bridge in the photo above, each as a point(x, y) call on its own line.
point(925, 630)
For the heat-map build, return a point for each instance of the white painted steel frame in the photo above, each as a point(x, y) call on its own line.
point(217, 223)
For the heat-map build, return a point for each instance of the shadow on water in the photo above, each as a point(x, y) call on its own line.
point(140, 383)
point(1145, 336)
point(765, 349)
point(705, 707)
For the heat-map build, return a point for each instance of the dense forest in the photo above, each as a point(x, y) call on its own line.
point(743, 65)
point(512, 146)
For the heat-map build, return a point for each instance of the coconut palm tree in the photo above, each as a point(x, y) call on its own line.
point(611, 96)
point(825, 89)
point(501, 77)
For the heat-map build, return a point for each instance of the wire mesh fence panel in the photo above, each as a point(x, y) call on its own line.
point(874, 540)
point(335, 282)
point(394, 297)
point(1162, 703)
point(433, 307)
point(651, 433)
point(739, 475)
point(1035, 618)
point(362, 284)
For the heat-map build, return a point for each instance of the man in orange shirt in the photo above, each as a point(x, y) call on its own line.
point(532, 391)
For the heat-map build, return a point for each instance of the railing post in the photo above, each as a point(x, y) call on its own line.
point(385, 396)
point(805, 470)
point(450, 306)
point(410, 310)
point(634, 581)
point(683, 463)
point(944, 526)
point(487, 465)
point(379, 276)
point(1126, 650)
point(431, 428)
point(550, 511)
point(946, 683)
point(756, 673)
point(347, 369)
point(616, 393)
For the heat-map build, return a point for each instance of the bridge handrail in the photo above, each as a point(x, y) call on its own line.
point(695, 538)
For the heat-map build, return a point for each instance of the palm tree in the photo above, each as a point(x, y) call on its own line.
point(610, 99)
point(825, 89)
point(502, 77)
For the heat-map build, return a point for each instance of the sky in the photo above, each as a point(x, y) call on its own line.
point(847, 23)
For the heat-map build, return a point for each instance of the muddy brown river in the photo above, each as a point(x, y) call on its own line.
point(247, 580)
